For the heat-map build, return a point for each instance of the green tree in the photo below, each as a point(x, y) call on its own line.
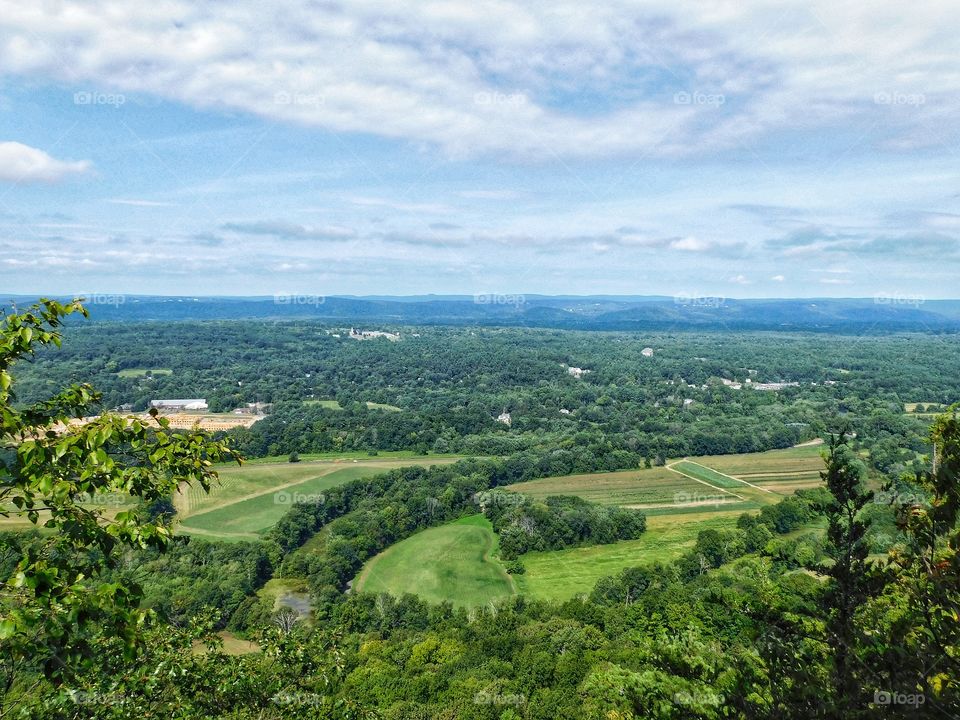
point(61, 471)
point(848, 548)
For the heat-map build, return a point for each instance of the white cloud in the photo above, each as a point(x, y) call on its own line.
point(433, 74)
point(690, 244)
point(138, 203)
point(22, 163)
point(778, 278)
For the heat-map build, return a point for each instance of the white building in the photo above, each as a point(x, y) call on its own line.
point(505, 418)
point(180, 404)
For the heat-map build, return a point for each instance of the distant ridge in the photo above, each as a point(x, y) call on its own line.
point(592, 312)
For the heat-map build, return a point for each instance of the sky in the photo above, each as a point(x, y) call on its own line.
point(739, 148)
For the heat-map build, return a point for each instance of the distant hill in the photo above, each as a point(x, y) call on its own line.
point(601, 312)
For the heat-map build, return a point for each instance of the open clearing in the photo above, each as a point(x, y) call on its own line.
point(680, 500)
point(143, 372)
point(250, 499)
point(335, 405)
point(748, 480)
point(628, 487)
point(454, 562)
point(563, 574)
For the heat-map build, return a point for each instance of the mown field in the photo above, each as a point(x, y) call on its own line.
point(454, 562)
point(644, 487)
point(335, 405)
point(563, 574)
point(250, 499)
point(680, 500)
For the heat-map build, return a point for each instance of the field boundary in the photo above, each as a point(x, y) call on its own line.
point(669, 466)
point(740, 480)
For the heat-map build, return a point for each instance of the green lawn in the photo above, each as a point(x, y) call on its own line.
point(628, 487)
point(254, 478)
point(335, 405)
point(141, 372)
point(563, 574)
point(454, 562)
point(706, 474)
point(383, 406)
point(246, 519)
point(251, 498)
point(328, 404)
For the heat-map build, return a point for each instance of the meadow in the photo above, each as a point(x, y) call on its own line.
point(563, 574)
point(249, 499)
point(454, 562)
point(143, 372)
point(680, 500)
point(636, 488)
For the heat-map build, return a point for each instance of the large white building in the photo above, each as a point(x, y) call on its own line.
point(181, 404)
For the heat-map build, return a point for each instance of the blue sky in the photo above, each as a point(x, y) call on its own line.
point(738, 149)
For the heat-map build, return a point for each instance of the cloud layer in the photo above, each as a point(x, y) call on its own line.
point(530, 79)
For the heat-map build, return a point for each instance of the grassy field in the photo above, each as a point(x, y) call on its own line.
point(793, 465)
point(142, 372)
point(334, 405)
point(693, 482)
point(563, 574)
point(707, 474)
point(680, 500)
point(629, 487)
point(328, 404)
point(454, 562)
point(250, 499)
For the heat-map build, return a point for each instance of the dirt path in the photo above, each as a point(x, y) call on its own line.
point(217, 534)
point(265, 491)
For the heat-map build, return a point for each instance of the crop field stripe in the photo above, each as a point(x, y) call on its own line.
point(703, 482)
point(693, 462)
point(266, 491)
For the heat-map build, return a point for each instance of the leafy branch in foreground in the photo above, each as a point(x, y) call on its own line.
point(56, 469)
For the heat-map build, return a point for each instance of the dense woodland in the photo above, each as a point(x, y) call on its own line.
point(114, 618)
point(452, 383)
